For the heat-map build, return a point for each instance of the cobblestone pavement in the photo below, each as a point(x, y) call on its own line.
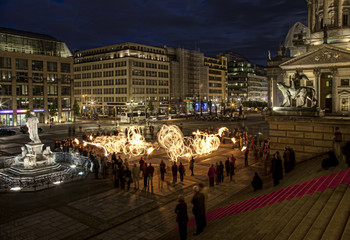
point(94, 209)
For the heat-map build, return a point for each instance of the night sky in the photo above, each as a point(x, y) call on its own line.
point(249, 27)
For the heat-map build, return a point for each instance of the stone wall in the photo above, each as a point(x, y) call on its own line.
point(309, 137)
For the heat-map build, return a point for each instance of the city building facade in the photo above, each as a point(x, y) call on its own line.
point(189, 79)
point(113, 79)
point(217, 74)
point(35, 75)
point(246, 81)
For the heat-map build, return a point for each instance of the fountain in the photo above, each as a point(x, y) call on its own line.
point(37, 168)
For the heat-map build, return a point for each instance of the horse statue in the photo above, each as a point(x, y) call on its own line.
point(303, 96)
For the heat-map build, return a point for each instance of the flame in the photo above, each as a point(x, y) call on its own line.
point(91, 137)
point(76, 141)
point(244, 148)
point(222, 130)
point(150, 150)
point(233, 140)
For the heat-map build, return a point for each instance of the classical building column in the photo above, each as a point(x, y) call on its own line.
point(313, 17)
point(310, 14)
point(325, 13)
point(269, 89)
point(340, 13)
point(335, 81)
point(317, 73)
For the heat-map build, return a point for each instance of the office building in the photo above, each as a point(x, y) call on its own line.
point(35, 75)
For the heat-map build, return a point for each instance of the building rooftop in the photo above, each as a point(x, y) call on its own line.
point(26, 34)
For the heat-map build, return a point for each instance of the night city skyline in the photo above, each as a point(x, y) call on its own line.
point(248, 27)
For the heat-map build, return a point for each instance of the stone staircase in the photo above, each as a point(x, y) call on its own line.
point(312, 204)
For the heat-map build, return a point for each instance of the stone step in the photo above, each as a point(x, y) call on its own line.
point(311, 215)
point(285, 217)
point(340, 217)
point(346, 233)
point(271, 213)
point(321, 222)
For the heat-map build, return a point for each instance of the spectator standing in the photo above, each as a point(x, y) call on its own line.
point(128, 177)
point(150, 171)
point(162, 168)
point(211, 175)
point(257, 182)
point(145, 174)
point(246, 154)
point(192, 166)
point(198, 210)
point(182, 217)
point(136, 176)
point(277, 169)
point(181, 172)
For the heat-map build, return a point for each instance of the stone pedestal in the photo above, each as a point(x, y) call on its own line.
point(36, 148)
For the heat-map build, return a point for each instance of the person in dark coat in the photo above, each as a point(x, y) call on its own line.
point(192, 166)
point(277, 169)
point(257, 182)
point(141, 162)
point(182, 217)
point(198, 209)
point(162, 168)
point(246, 154)
point(346, 152)
point(286, 160)
point(145, 175)
point(174, 171)
point(181, 172)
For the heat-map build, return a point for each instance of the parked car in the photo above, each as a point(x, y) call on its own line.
point(24, 129)
point(7, 132)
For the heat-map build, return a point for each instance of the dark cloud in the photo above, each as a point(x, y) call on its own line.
point(250, 27)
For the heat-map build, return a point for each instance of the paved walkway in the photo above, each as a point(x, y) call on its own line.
point(93, 209)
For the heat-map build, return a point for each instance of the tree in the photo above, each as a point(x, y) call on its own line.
point(76, 109)
point(210, 103)
point(150, 106)
point(53, 109)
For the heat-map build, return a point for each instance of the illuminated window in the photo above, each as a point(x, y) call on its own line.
point(345, 104)
point(344, 82)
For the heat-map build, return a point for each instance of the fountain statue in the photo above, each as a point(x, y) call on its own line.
point(33, 156)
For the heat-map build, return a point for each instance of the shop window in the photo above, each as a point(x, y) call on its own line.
point(22, 103)
point(38, 103)
point(345, 104)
